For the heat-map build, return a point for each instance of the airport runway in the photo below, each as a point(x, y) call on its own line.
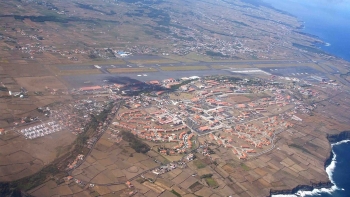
point(154, 65)
point(76, 81)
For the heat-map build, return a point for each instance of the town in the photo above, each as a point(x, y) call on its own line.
point(167, 98)
point(177, 37)
point(182, 117)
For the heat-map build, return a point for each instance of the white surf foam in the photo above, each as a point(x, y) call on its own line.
point(341, 142)
point(330, 169)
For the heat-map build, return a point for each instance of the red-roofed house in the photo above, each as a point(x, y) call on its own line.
point(204, 128)
point(154, 82)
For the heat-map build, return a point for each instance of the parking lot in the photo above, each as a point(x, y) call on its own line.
point(40, 130)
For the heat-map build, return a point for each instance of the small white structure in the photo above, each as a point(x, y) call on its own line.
point(294, 117)
point(194, 77)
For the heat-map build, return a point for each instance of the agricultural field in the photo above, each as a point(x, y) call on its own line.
point(136, 149)
point(111, 163)
point(33, 84)
point(199, 164)
point(211, 182)
point(21, 157)
point(258, 127)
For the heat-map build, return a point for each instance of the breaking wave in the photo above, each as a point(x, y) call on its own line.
point(330, 169)
point(341, 142)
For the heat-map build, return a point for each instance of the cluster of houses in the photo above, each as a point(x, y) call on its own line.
point(245, 139)
point(167, 168)
point(209, 110)
point(155, 126)
point(210, 107)
point(76, 161)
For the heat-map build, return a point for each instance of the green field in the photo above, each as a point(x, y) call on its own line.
point(199, 164)
point(245, 167)
point(211, 182)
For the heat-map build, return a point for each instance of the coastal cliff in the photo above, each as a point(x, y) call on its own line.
point(302, 187)
point(334, 138)
point(345, 135)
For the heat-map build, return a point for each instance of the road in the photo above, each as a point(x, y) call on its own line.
point(93, 145)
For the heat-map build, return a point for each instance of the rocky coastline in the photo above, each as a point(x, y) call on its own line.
point(302, 187)
point(345, 135)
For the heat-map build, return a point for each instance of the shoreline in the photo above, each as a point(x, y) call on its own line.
point(301, 29)
point(333, 139)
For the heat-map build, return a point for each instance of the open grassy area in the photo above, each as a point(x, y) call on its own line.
point(168, 159)
point(175, 68)
point(308, 48)
point(204, 58)
point(300, 148)
point(131, 70)
point(153, 61)
point(326, 67)
point(101, 62)
point(196, 186)
point(163, 159)
point(197, 57)
point(180, 58)
point(245, 167)
point(181, 96)
point(199, 164)
point(176, 194)
point(53, 169)
point(312, 65)
point(211, 182)
point(230, 66)
point(35, 83)
point(79, 72)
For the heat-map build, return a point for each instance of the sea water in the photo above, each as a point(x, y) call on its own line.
point(339, 174)
point(330, 21)
point(327, 19)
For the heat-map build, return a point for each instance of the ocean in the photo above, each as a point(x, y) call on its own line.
point(327, 19)
point(338, 172)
